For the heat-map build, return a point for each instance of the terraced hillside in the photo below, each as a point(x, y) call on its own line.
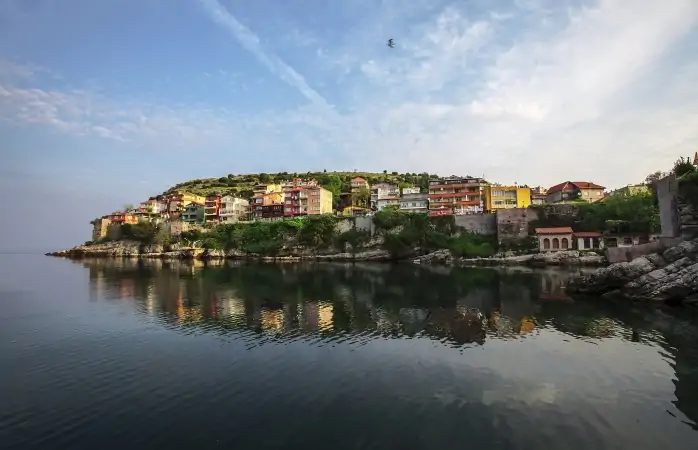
point(335, 182)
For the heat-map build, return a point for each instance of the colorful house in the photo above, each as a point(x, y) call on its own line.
point(506, 197)
point(575, 191)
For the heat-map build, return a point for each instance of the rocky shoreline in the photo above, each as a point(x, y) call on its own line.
point(670, 276)
point(125, 249)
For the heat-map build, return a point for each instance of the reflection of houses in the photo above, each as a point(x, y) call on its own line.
point(552, 286)
point(554, 239)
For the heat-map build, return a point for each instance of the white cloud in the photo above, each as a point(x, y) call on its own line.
point(221, 16)
point(599, 92)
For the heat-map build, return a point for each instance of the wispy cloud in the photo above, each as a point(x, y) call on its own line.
point(248, 40)
point(527, 91)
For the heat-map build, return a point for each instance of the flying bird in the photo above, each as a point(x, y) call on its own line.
point(390, 43)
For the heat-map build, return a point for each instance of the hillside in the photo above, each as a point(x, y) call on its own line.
point(336, 182)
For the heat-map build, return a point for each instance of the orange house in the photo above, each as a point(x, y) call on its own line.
point(122, 218)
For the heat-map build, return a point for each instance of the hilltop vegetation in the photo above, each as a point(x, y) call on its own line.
point(335, 182)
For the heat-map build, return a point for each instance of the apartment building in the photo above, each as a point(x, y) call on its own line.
point(538, 195)
point(266, 188)
point(122, 218)
point(575, 191)
point(193, 213)
point(179, 200)
point(306, 199)
point(212, 208)
point(155, 205)
point(259, 201)
point(384, 195)
point(456, 195)
point(414, 201)
point(233, 209)
point(506, 197)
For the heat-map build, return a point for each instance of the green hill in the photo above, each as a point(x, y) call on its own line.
point(336, 182)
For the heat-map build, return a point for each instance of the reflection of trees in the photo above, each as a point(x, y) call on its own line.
point(459, 306)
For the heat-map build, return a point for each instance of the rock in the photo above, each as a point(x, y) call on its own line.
point(667, 277)
point(437, 257)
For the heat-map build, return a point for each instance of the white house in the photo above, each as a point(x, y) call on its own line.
point(554, 239)
point(233, 209)
point(412, 200)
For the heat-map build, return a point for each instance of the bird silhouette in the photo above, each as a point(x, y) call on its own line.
point(390, 43)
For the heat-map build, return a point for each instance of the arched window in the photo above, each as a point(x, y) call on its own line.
point(565, 243)
point(546, 244)
point(556, 243)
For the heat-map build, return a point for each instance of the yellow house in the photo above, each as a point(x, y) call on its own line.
point(179, 200)
point(506, 197)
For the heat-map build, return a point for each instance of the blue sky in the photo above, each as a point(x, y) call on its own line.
point(108, 102)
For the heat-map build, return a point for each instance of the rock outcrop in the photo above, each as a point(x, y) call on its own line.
point(566, 258)
point(671, 276)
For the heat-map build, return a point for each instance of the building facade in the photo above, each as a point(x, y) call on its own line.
point(384, 195)
point(506, 197)
point(414, 201)
point(306, 199)
point(259, 201)
point(538, 195)
point(212, 209)
point(456, 195)
point(358, 184)
point(179, 200)
point(575, 191)
point(233, 209)
point(554, 239)
point(193, 213)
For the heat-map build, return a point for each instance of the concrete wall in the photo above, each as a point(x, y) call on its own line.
point(478, 223)
point(667, 194)
point(513, 224)
point(343, 225)
point(626, 254)
point(365, 224)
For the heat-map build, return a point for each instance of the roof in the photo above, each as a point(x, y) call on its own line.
point(587, 234)
point(569, 185)
point(555, 230)
point(359, 179)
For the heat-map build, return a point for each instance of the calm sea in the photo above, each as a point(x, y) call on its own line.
point(117, 354)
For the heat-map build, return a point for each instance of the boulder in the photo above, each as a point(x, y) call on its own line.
point(437, 257)
point(673, 275)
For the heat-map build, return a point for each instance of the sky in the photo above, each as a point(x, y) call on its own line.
point(104, 103)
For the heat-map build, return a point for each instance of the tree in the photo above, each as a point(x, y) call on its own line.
point(128, 207)
point(385, 172)
point(683, 166)
point(264, 178)
point(654, 177)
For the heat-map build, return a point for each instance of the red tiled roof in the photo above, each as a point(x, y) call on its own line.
point(555, 230)
point(359, 179)
point(568, 185)
point(587, 234)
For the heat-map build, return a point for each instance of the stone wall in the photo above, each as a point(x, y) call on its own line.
point(514, 224)
point(365, 224)
point(627, 254)
point(667, 195)
point(478, 223)
point(344, 225)
point(687, 206)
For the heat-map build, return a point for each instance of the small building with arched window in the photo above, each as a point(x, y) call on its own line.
point(557, 239)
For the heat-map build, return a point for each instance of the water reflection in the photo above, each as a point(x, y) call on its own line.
point(354, 304)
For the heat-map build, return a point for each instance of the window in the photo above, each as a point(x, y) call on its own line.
point(546, 244)
point(565, 243)
point(556, 243)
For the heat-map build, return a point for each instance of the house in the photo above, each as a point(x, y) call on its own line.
point(631, 189)
point(306, 199)
point(538, 195)
point(358, 184)
point(266, 188)
point(506, 197)
point(355, 211)
point(122, 218)
point(259, 201)
point(575, 191)
point(456, 195)
point(212, 208)
point(193, 213)
point(588, 240)
point(232, 209)
point(179, 200)
point(414, 201)
point(100, 228)
point(154, 206)
point(272, 211)
point(384, 194)
point(554, 239)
